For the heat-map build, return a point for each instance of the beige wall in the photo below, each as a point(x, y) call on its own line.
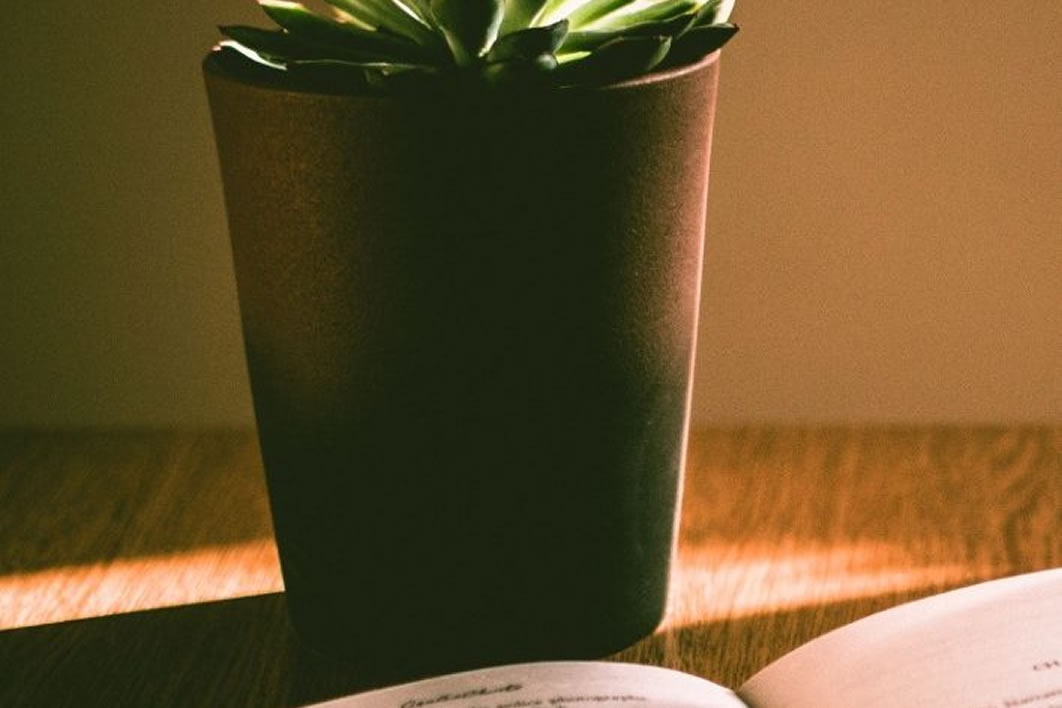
point(885, 236)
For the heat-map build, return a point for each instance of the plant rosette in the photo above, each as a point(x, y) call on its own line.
point(396, 45)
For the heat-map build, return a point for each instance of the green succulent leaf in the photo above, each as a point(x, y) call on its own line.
point(307, 63)
point(279, 45)
point(391, 15)
point(420, 8)
point(715, 12)
point(273, 43)
point(672, 27)
point(529, 43)
point(520, 70)
point(681, 10)
point(592, 11)
point(361, 12)
point(470, 26)
point(615, 60)
point(661, 12)
point(707, 12)
point(589, 40)
point(235, 55)
point(520, 14)
point(340, 37)
point(699, 42)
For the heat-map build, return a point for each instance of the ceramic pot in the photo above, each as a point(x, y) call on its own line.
point(470, 325)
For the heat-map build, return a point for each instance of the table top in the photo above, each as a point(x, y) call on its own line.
point(137, 567)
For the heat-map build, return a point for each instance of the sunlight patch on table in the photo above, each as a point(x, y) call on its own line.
point(140, 583)
point(719, 581)
point(713, 580)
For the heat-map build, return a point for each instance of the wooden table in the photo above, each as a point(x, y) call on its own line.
point(138, 567)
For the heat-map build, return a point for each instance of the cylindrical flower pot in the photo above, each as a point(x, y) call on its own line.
point(469, 323)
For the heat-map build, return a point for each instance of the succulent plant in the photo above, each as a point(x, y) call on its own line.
point(392, 45)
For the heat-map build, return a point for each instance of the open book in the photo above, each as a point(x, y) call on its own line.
point(993, 645)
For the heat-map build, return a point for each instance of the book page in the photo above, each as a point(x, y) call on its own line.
point(993, 645)
point(566, 684)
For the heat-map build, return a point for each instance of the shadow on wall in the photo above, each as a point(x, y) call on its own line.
point(883, 230)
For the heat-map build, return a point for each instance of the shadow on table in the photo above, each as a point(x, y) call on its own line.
point(238, 652)
point(243, 653)
point(729, 652)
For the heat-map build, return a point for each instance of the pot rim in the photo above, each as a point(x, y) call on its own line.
point(213, 67)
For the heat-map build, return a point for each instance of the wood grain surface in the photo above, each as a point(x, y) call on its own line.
point(138, 568)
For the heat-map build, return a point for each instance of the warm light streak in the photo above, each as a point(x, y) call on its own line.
point(713, 580)
point(145, 582)
point(718, 581)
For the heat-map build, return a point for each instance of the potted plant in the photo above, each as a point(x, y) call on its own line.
point(467, 237)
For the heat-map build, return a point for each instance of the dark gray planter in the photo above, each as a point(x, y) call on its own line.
point(470, 325)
